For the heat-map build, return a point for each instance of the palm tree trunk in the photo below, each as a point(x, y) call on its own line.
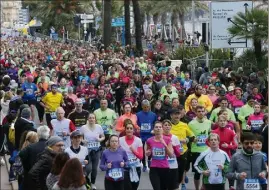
point(258, 53)
point(107, 22)
point(138, 28)
point(148, 33)
point(155, 21)
point(163, 21)
point(182, 26)
point(127, 22)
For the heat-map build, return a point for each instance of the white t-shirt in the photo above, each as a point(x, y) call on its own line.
point(91, 136)
point(81, 155)
point(133, 160)
point(173, 161)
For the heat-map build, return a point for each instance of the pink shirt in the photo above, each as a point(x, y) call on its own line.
point(158, 153)
point(213, 97)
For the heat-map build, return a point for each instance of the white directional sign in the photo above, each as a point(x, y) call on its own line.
point(86, 21)
point(86, 17)
point(222, 14)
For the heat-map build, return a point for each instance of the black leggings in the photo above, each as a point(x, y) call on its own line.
point(159, 178)
point(41, 111)
point(214, 186)
point(92, 166)
point(144, 157)
point(114, 185)
point(127, 182)
point(182, 161)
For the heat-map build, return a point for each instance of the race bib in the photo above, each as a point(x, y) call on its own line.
point(133, 160)
point(94, 145)
point(171, 160)
point(251, 184)
point(105, 129)
point(83, 100)
point(60, 134)
point(158, 153)
point(201, 139)
point(29, 91)
point(215, 176)
point(255, 124)
point(145, 127)
point(115, 173)
point(236, 110)
point(53, 115)
point(38, 99)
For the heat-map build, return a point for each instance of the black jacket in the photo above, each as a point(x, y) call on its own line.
point(30, 154)
point(20, 126)
point(39, 172)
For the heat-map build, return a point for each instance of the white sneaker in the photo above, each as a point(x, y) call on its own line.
point(93, 186)
point(2, 162)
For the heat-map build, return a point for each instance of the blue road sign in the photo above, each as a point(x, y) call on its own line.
point(118, 22)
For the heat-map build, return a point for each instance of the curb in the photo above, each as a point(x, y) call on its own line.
point(14, 184)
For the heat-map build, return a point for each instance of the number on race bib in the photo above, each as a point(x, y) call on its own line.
point(145, 127)
point(201, 139)
point(53, 115)
point(105, 129)
point(133, 160)
point(158, 153)
point(93, 145)
point(251, 184)
point(115, 173)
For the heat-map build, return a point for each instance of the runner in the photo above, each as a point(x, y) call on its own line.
point(200, 126)
point(113, 161)
point(184, 134)
point(51, 101)
point(62, 127)
point(79, 115)
point(173, 165)
point(213, 163)
point(105, 117)
point(159, 147)
point(93, 136)
point(248, 167)
point(245, 112)
point(134, 149)
point(255, 120)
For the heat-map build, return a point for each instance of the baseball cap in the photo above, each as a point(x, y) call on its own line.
point(75, 134)
point(174, 110)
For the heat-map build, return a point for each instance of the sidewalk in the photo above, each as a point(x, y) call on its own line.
point(5, 185)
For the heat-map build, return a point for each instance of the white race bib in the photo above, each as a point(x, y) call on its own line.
point(145, 127)
point(236, 110)
point(158, 153)
point(133, 160)
point(115, 173)
point(93, 145)
point(53, 115)
point(251, 184)
point(201, 139)
point(83, 100)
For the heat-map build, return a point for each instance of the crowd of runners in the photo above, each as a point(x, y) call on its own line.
point(128, 115)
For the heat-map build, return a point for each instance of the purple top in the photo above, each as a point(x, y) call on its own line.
point(115, 173)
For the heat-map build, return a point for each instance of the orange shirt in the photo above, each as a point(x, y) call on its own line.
point(120, 122)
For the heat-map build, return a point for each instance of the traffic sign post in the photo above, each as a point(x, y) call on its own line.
point(120, 22)
point(85, 19)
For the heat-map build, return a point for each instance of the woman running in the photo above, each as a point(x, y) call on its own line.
point(113, 161)
point(93, 135)
point(134, 148)
point(159, 147)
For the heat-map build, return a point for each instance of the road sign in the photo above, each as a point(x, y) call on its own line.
point(117, 22)
point(86, 17)
point(222, 14)
point(86, 21)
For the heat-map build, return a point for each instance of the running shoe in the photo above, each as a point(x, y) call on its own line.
point(232, 188)
point(186, 179)
point(183, 187)
point(93, 186)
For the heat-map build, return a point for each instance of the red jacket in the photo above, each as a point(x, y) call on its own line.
point(226, 136)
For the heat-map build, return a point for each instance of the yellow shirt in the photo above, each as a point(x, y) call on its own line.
point(182, 131)
point(203, 100)
point(53, 101)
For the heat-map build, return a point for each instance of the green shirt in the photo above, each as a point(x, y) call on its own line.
point(172, 95)
point(201, 131)
point(105, 119)
point(245, 111)
point(214, 114)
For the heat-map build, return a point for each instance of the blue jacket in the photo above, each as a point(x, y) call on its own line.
point(146, 120)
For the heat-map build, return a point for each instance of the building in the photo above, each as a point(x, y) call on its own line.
point(10, 12)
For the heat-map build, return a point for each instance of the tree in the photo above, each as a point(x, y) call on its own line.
point(138, 28)
point(252, 25)
point(179, 8)
point(107, 22)
point(127, 22)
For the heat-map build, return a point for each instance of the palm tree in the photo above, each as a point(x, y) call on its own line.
point(127, 22)
point(179, 8)
point(138, 28)
point(252, 25)
point(107, 22)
